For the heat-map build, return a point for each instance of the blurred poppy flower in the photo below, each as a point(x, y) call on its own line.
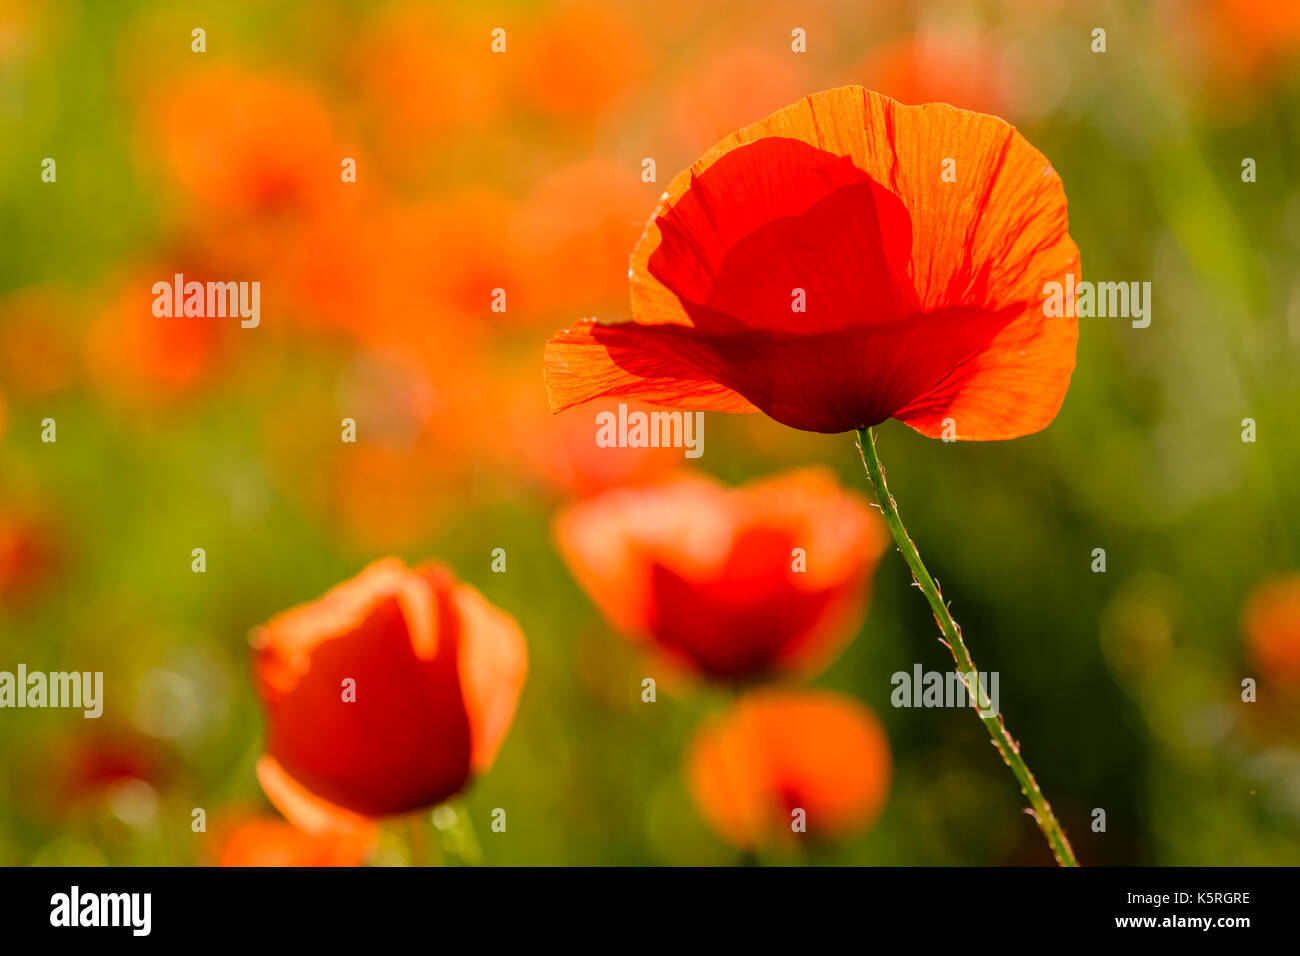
point(775, 752)
point(1272, 624)
point(383, 696)
point(1247, 45)
point(32, 554)
point(560, 450)
point(816, 266)
point(110, 767)
point(267, 841)
point(244, 144)
point(420, 103)
point(577, 225)
point(38, 343)
point(563, 453)
point(582, 60)
point(733, 583)
point(132, 353)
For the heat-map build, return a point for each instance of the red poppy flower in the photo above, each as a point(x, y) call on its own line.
point(776, 752)
point(266, 841)
point(733, 583)
point(134, 355)
point(384, 696)
point(244, 144)
point(33, 555)
point(582, 60)
point(1272, 625)
point(921, 298)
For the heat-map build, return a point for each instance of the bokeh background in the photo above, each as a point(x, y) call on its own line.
point(523, 171)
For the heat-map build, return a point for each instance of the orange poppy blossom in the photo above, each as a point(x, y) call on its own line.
point(1271, 621)
point(816, 266)
point(1242, 48)
point(268, 841)
point(581, 60)
point(844, 261)
point(418, 106)
point(40, 336)
point(776, 752)
point(244, 145)
point(133, 355)
point(731, 583)
point(575, 227)
point(384, 696)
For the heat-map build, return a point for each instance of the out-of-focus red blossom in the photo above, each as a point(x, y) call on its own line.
point(466, 246)
point(966, 70)
point(37, 354)
point(268, 841)
point(776, 751)
point(711, 576)
point(132, 353)
point(32, 554)
point(1246, 44)
point(583, 59)
point(923, 298)
point(418, 101)
point(403, 274)
point(1272, 624)
point(561, 450)
point(436, 674)
point(246, 145)
point(577, 225)
point(83, 769)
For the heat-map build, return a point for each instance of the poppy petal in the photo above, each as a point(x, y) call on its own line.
point(284, 643)
point(304, 809)
point(590, 360)
point(493, 664)
point(732, 583)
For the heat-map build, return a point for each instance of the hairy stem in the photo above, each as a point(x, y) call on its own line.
point(1006, 745)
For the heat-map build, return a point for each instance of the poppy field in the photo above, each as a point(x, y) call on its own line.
point(592, 433)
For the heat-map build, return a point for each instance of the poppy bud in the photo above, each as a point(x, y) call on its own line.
point(385, 695)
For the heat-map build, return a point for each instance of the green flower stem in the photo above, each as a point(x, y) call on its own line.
point(1041, 810)
point(417, 836)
